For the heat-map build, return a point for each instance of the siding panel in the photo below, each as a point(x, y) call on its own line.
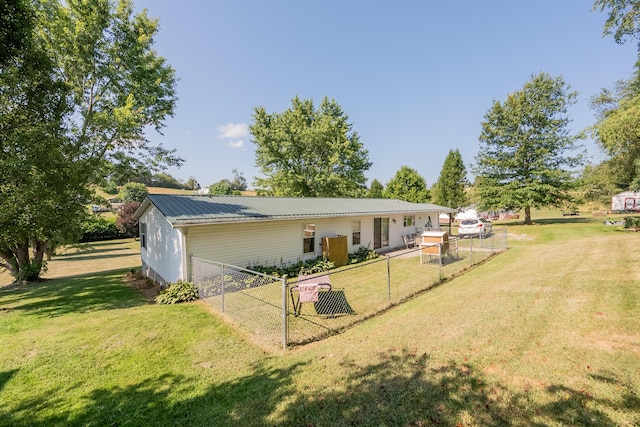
point(164, 246)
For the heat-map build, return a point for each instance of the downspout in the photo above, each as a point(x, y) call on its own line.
point(185, 273)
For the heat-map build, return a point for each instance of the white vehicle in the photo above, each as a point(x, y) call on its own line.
point(474, 227)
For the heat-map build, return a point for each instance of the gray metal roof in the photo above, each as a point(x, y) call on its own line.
point(183, 210)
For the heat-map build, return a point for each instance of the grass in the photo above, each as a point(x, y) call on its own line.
point(545, 334)
point(89, 258)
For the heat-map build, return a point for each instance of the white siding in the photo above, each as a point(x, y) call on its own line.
point(281, 242)
point(164, 246)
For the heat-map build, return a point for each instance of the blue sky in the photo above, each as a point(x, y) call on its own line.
point(415, 77)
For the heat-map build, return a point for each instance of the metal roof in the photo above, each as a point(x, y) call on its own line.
point(181, 210)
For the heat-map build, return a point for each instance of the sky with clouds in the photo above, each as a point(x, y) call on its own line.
point(415, 77)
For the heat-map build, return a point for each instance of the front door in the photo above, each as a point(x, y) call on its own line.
point(380, 233)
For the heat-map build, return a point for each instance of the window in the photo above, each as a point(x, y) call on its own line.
point(143, 235)
point(308, 238)
point(409, 221)
point(355, 232)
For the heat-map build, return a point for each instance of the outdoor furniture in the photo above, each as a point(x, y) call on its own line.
point(308, 288)
point(409, 240)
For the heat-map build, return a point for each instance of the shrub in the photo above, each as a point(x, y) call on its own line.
point(632, 222)
point(177, 292)
point(110, 187)
point(362, 254)
point(97, 228)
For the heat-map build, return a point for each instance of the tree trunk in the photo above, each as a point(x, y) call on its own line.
point(527, 215)
point(21, 266)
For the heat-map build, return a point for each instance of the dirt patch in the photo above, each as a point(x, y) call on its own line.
point(144, 285)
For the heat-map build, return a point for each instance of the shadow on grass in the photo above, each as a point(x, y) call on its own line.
point(6, 376)
point(95, 250)
point(72, 258)
point(400, 389)
point(75, 294)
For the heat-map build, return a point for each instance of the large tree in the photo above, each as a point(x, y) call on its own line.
point(309, 152)
point(449, 189)
point(86, 88)
point(527, 154)
point(407, 184)
point(41, 197)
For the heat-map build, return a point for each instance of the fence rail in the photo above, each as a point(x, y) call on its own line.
point(284, 312)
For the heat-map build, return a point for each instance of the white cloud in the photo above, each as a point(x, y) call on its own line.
point(233, 130)
point(236, 144)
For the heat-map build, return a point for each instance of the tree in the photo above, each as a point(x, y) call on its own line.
point(525, 156)
point(16, 24)
point(309, 152)
point(408, 185)
point(617, 130)
point(42, 201)
point(119, 84)
point(221, 188)
point(83, 93)
point(192, 184)
point(239, 183)
point(624, 18)
point(449, 189)
point(376, 190)
point(133, 192)
point(598, 183)
point(126, 221)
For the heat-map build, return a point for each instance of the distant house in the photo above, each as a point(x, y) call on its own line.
point(626, 201)
point(246, 231)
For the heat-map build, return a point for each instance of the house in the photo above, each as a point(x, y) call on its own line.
point(246, 231)
point(626, 201)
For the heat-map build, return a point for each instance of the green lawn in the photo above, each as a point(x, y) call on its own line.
point(546, 334)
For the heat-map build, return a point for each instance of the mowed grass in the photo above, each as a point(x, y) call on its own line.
point(546, 334)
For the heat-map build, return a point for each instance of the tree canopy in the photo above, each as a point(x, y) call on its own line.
point(449, 189)
point(623, 20)
point(526, 153)
point(376, 190)
point(84, 86)
point(309, 152)
point(408, 185)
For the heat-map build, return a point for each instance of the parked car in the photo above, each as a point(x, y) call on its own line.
point(472, 227)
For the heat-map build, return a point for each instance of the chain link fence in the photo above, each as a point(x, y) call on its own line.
point(285, 312)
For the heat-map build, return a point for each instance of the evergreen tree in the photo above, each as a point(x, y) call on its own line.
point(449, 189)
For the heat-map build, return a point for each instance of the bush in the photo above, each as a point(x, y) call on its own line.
point(110, 187)
point(362, 254)
point(97, 228)
point(316, 265)
point(177, 292)
point(632, 222)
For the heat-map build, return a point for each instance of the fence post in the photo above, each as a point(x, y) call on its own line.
point(285, 317)
point(470, 250)
point(505, 238)
point(388, 278)
point(441, 252)
point(222, 286)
